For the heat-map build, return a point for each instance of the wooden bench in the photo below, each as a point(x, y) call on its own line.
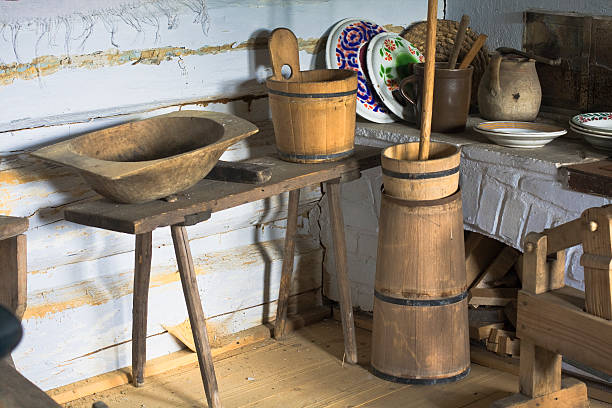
point(555, 321)
point(195, 205)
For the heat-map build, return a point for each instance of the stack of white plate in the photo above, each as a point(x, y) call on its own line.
point(596, 128)
point(520, 134)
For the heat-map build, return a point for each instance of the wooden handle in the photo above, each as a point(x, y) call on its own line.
point(283, 48)
point(463, 25)
point(537, 58)
point(428, 81)
point(473, 51)
point(494, 67)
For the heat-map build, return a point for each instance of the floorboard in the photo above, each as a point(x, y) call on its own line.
point(306, 370)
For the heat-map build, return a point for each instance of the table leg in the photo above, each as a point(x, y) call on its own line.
point(288, 254)
point(13, 275)
point(196, 314)
point(142, 274)
point(346, 306)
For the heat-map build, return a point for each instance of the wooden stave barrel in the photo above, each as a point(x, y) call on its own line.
point(314, 117)
point(406, 177)
point(440, 344)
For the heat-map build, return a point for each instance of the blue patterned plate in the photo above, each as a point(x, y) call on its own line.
point(346, 49)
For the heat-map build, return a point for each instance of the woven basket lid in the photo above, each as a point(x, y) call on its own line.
point(445, 42)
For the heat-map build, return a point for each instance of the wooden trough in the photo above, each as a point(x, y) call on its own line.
point(153, 158)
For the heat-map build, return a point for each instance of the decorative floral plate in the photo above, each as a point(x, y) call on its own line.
point(389, 60)
point(346, 49)
point(600, 121)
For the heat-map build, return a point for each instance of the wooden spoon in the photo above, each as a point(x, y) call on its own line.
point(461, 32)
point(473, 51)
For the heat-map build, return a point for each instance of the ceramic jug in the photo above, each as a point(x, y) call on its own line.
point(510, 90)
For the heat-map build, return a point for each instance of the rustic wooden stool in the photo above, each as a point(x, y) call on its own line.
point(196, 205)
point(554, 320)
point(13, 271)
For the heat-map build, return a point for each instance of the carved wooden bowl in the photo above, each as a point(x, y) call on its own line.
point(149, 159)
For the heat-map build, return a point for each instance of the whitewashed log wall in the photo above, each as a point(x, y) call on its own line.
point(65, 72)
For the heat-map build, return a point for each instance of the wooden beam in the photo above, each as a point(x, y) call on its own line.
point(480, 251)
point(556, 321)
point(498, 268)
point(564, 236)
point(492, 296)
point(572, 395)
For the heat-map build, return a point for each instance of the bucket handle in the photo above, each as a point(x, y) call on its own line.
point(283, 47)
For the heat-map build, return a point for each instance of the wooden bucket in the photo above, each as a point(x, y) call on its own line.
point(420, 326)
point(408, 178)
point(314, 117)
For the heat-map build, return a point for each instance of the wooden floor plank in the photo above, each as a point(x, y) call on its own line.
point(306, 370)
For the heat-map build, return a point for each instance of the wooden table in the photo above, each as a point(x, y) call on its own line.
point(592, 178)
point(196, 205)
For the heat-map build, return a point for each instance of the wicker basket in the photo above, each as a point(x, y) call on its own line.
point(446, 33)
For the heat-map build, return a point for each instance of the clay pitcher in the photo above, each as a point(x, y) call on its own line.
point(510, 90)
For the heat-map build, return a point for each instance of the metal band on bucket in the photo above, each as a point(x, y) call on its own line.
point(420, 176)
point(319, 95)
point(322, 157)
point(421, 302)
point(420, 381)
point(424, 203)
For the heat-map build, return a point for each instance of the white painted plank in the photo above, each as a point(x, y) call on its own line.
point(233, 72)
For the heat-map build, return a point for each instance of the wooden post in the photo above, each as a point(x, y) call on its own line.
point(540, 369)
point(13, 275)
point(538, 275)
point(288, 255)
point(428, 87)
point(142, 273)
point(346, 306)
point(196, 314)
point(597, 261)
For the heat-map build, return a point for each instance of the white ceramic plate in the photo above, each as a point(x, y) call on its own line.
point(346, 49)
point(389, 59)
point(527, 135)
point(596, 140)
point(599, 121)
point(579, 129)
